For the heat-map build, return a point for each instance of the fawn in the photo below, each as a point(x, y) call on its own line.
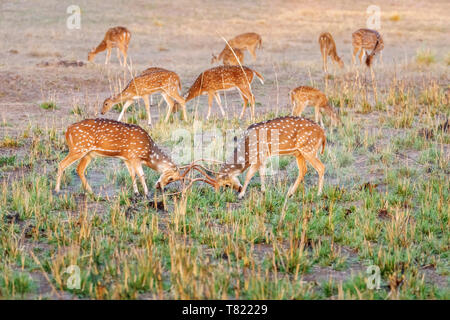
point(224, 78)
point(303, 96)
point(328, 48)
point(108, 138)
point(151, 81)
point(117, 37)
point(289, 135)
point(229, 57)
point(365, 40)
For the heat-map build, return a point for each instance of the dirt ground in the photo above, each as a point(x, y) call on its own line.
point(181, 36)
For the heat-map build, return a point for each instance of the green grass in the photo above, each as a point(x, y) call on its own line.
point(48, 105)
point(384, 203)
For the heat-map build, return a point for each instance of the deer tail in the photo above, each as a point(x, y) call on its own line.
point(369, 58)
point(259, 76)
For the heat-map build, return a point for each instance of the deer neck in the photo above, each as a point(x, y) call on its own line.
point(159, 161)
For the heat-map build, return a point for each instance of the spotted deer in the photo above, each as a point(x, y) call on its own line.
point(223, 78)
point(289, 135)
point(229, 57)
point(328, 48)
point(117, 37)
point(365, 40)
point(90, 138)
point(247, 41)
point(150, 81)
point(304, 96)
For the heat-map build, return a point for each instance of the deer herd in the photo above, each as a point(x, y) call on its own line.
point(294, 135)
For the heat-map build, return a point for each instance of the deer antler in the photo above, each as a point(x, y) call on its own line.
point(191, 183)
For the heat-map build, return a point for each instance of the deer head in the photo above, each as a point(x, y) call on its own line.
point(107, 105)
point(214, 58)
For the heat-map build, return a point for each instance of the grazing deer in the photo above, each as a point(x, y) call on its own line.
point(365, 40)
point(247, 41)
point(289, 135)
point(117, 37)
point(303, 96)
point(223, 78)
point(108, 138)
point(328, 48)
point(229, 57)
point(150, 81)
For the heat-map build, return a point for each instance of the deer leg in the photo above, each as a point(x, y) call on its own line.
point(147, 108)
point(170, 105)
point(182, 102)
point(247, 94)
point(210, 102)
point(118, 56)
point(301, 164)
point(250, 173)
point(243, 107)
point(217, 96)
point(262, 175)
point(361, 54)
point(108, 54)
point(66, 162)
point(124, 108)
point(132, 172)
point(140, 173)
point(299, 107)
point(252, 51)
point(355, 51)
point(124, 53)
point(318, 115)
point(81, 169)
point(324, 58)
point(320, 168)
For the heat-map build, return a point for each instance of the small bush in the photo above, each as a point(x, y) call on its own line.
point(48, 105)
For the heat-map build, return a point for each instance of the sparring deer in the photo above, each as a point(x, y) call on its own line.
point(152, 80)
point(289, 135)
point(229, 57)
point(304, 96)
point(328, 48)
point(117, 37)
point(90, 138)
point(365, 40)
point(223, 78)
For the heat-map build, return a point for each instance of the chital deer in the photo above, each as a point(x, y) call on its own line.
point(295, 136)
point(365, 40)
point(150, 81)
point(303, 96)
point(224, 78)
point(246, 41)
point(328, 48)
point(108, 138)
point(229, 57)
point(117, 37)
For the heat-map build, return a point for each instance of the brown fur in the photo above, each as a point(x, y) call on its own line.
point(304, 96)
point(328, 48)
point(90, 138)
point(223, 78)
point(230, 57)
point(296, 136)
point(117, 37)
point(150, 81)
point(364, 40)
point(247, 41)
